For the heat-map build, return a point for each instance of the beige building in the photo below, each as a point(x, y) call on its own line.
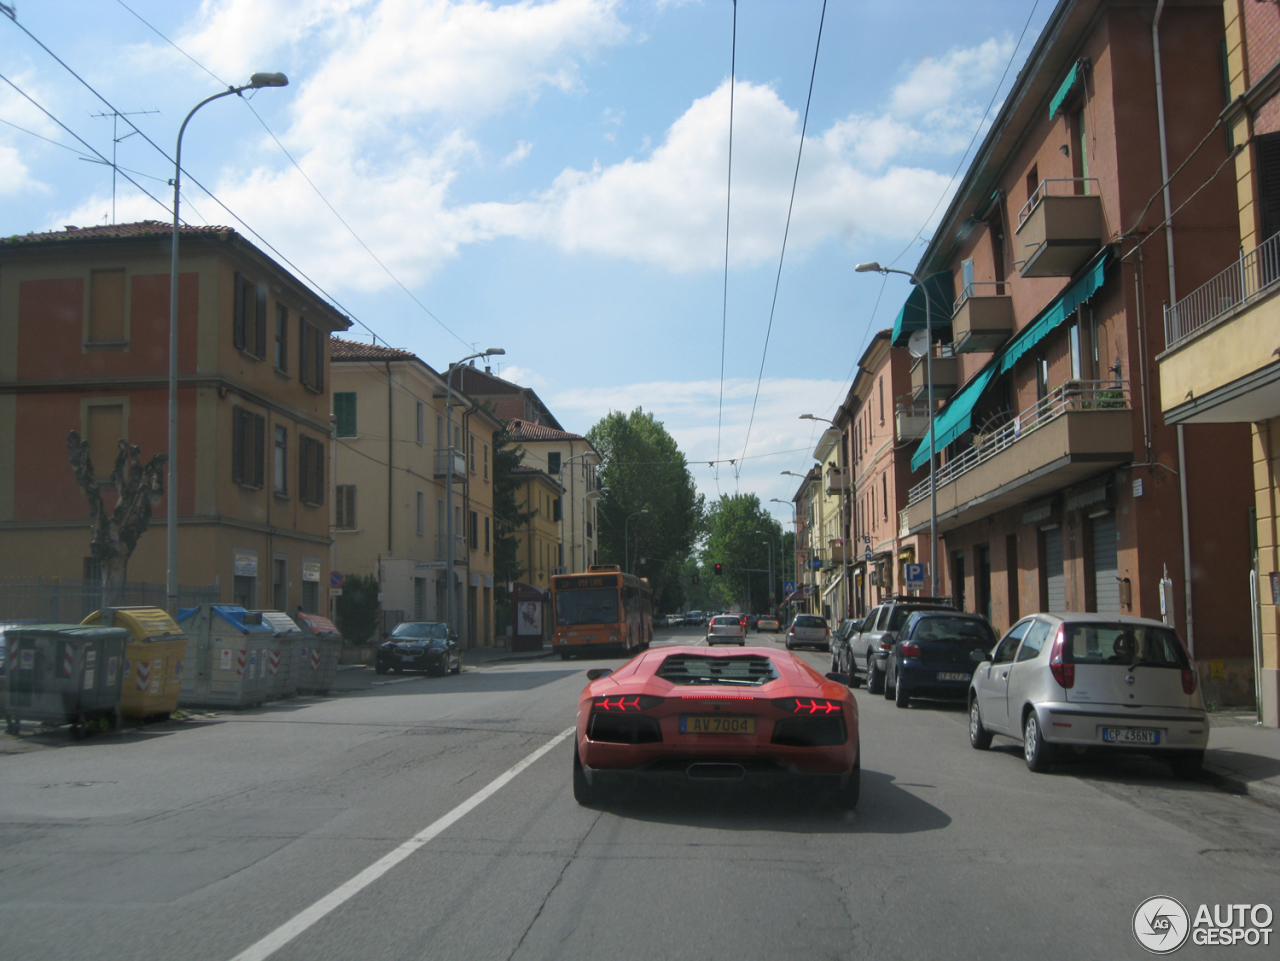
point(1219, 366)
point(84, 333)
point(572, 461)
point(392, 462)
point(830, 526)
point(538, 542)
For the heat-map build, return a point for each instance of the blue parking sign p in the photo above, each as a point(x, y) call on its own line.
point(913, 574)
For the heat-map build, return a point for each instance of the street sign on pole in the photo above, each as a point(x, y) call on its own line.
point(788, 586)
point(336, 578)
point(913, 576)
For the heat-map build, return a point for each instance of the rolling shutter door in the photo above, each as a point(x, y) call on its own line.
point(1106, 588)
point(1054, 577)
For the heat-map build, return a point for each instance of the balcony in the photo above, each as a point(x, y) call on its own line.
point(443, 456)
point(459, 549)
point(835, 480)
point(912, 422)
point(982, 321)
point(835, 551)
point(946, 378)
point(1058, 233)
point(1219, 366)
point(1077, 430)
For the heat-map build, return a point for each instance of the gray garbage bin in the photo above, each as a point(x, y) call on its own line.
point(283, 664)
point(64, 674)
point(233, 656)
point(321, 644)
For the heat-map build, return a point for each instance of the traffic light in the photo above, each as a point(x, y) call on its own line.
point(719, 570)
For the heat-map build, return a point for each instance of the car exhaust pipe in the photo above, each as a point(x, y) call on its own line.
point(715, 772)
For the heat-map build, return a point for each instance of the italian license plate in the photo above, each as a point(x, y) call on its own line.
point(952, 676)
point(1128, 735)
point(712, 724)
point(408, 657)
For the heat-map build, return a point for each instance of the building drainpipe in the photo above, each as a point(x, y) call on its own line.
point(1173, 299)
point(391, 449)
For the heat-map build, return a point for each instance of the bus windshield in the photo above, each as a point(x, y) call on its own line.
point(594, 606)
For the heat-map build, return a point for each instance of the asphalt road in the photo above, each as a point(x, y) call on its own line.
point(198, 840)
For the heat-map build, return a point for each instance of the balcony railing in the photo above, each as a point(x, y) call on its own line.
point(1044, 190)
point(1073, 395)
point(459, 548)
point(980, 288)
point(1250, 277)
point(446, 454)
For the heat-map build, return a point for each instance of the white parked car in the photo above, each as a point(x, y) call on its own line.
point(1094, 682)
point(727, 629)
point(809, 630)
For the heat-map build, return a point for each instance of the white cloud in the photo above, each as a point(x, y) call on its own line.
point(523, 376)
point(522, 150)
point(17, 178)
point(936, 83)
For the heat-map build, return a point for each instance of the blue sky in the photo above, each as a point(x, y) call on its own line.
point(547, 177)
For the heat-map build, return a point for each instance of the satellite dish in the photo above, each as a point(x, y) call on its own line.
point(918, 343)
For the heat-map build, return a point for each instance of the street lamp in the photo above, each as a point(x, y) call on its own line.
point(873, 267)
point(769, 541)
point(812, 417)
point(448, 484)
point(171, 510)
point(626, 545)
point(795, 534)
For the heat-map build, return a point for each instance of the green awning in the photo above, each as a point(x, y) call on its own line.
point(957, 416)
point(940, 290)
point(1068, 87)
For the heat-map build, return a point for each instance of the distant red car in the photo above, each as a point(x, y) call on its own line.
point(680, 714)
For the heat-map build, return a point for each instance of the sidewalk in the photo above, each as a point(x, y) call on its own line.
point(499, 654)
point(1244, 758)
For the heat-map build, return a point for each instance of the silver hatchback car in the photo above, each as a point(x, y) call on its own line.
point(1090, 682)
point(727, 629)
point(809, 630)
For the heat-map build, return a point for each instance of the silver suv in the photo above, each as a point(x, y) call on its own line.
point(1091, 682)
point(880, 630)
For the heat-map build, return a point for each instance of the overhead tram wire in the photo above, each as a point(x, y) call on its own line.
point(795, 179)
point(728, 198)
point(310, 182)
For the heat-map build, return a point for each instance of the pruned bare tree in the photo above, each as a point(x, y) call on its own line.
point(114, 534)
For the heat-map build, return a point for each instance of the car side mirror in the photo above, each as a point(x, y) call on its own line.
point(838, 678)
point(453, 637)
point(979, 656)
point(598, 672)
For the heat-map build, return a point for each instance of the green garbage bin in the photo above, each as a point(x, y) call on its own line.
point(64, 674)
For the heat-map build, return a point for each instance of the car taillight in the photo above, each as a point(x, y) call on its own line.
point(625, 703)
point(886, 643)
point(826, 632)
point(1189, 681)
point(910, 649)
point(1063, 672)
point(807, 705)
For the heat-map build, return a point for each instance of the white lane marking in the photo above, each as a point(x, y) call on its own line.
point(282, 935)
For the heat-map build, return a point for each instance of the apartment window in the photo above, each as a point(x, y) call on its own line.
point(248, 443)
point(249, 330)
point(1042, 378)
point(474, 531)
point(104, 426)
point(486, 535)
point(553, 462)
point(344, 409)
point(1073, 335)
point(345, 508)
point(1033, 181)
point(311, 471)
point(881, 385)
point(884, 494)
point(106, 307)
point(472, 453)
point(282, 338)
point(966, 278)
point(422, 512)
point(282, 460)
point(486, 461)
point(310, 355)
point(1268, 148)
point(555, 509)
point(420, 422)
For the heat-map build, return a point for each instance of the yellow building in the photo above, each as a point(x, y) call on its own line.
point(392, 463)
point(831, 531)
point(539, 544)
point(84, 334)
point(1219, 365)
point(572, 460)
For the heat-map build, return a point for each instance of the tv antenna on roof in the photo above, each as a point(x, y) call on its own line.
point(115, 116)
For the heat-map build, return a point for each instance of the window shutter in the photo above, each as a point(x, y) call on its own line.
point(318, 452)
point(304, 469)
point(351, 505)
point(304, 372)
point(237, 334)
point(237, 445)
point(259, 448)
point(260, 348)
point(320, 339)
point(1269, 184)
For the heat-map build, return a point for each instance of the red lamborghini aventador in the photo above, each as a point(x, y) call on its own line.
point(699, 714)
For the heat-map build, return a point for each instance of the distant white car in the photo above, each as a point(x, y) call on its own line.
point(727, 629)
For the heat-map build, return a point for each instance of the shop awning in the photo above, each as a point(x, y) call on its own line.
point(1075, 77)
point(954, 419)
point(940, 289)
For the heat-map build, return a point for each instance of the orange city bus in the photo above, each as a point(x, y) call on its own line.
point(601, 611)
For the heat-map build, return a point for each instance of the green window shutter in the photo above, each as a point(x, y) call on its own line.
point(260, 323)
point(237, 445)
point(344, 409)
point(237, 330)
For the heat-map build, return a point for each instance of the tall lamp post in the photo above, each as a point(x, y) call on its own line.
point(769, 540)
point(795, 544)
point(256, 81)
point(626, 544)
point(873, 267)
point(803, 478)
point(450, 454)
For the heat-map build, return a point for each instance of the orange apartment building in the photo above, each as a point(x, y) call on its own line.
point(1060, 484)
point(84, 336)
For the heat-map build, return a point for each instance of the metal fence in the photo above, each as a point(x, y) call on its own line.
point(1254, 274)
point(63, 601)
point(1073, 395)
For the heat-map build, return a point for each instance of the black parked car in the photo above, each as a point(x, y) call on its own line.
point(934, 655)
point(420, 646)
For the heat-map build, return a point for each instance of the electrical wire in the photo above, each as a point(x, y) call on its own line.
point(728, 197)
point(47, 140)
point(777, 283)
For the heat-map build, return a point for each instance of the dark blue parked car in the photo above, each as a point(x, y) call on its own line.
point(934, 655)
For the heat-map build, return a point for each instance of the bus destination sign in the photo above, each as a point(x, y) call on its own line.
point(591, 580)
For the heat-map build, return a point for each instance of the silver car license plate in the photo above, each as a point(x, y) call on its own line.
point(1129, 735)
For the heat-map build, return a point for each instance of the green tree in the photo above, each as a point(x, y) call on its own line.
point(510, 519)
point(732, 525)
point(357, 608)
point(644, 470)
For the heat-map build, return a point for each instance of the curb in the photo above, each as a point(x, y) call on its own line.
point(1232, 783)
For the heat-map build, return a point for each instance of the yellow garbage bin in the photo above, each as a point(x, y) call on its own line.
point(154, 659)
